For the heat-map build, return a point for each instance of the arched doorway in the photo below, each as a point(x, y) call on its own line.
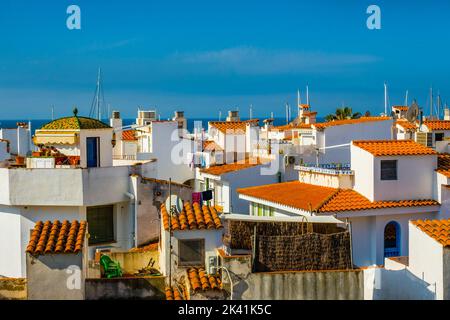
point(392, 239)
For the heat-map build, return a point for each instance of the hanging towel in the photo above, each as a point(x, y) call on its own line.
point(197, 197)
point(207, 195)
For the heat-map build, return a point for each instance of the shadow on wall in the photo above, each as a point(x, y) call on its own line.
point(382, 284)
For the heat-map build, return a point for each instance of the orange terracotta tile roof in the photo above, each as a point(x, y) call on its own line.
point(293, 194)
point(315, 198)
point(394, 147)
point(291, 126)
point(323, 125)
point(234, 127)
point(218, 170)
point(401, 108)
point(57, 237)
point(304, 106)
point(406, 125)
point(174, 294)
point(192, 217)
point(437, 124)
point(439, 230)
point(200, 280)
point(149, 247)
point(129, 135)
point(211, 146)
point(444, 164)
point(350, 200)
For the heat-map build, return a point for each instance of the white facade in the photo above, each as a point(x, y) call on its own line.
point(415, 176)
point(31, 195)
point(212, 239)
point(344, 134)
point(4, 150)
point(19, 138)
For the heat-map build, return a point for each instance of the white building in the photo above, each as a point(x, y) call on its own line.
point(225, 179)
point(19, 139)
point(194, 234)
point(390, 183)
point(330, 136)
point(84, 186)
point(429, 255)
point(237, 139)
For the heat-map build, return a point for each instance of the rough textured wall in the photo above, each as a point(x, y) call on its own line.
point(143, 288)
point(290, 285)
point(13, 289)
point(311, 251)
point(132, 262)
point(307, 285)
point(48, 277)
point(151, 194)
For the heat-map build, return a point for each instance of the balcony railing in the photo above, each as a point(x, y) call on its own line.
point(124, 157)
point(327, 168)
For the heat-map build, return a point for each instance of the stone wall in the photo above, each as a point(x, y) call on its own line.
point(13, 289)
point(142, 288)
point(290, 285)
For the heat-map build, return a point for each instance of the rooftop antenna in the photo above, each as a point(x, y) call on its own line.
point(406, 98)
point(431, 102)
point(385, 98)
point(99, 99)
point(307, 95)
point(251, 111)
point(220, 115)
point(287, 113)
point(438, 106)
point(413, 112)
point(271, 115)
point(53, 113)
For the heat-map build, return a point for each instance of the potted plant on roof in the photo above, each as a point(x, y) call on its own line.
point(20, 160)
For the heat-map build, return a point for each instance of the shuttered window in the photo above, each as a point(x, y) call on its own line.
point(388, 169)
point(191, 252)
point(100, 224)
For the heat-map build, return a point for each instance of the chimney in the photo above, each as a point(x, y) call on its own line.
point(233, 116)
point(115, 121)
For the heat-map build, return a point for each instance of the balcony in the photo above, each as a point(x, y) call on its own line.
point(327, 168)
point(64, 187)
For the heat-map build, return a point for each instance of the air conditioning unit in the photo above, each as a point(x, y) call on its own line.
point(289, 160)
point(212, 265)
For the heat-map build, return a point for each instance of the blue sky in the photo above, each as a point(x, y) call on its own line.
point(206, 56)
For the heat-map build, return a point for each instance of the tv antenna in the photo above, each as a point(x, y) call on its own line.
point(413, 112)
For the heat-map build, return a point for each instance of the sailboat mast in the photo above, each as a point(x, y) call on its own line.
point(431, 102)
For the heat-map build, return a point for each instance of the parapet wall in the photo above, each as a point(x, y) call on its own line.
point(13, 289)
point(290, 285)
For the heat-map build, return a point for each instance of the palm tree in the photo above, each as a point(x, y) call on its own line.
point(342, 114)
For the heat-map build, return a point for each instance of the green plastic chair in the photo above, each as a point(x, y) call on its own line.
point(112, 268)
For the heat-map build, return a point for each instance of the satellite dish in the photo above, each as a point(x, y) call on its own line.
point(176, 203)
point(413, 112)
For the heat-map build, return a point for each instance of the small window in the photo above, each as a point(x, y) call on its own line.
point(191, 252)
point(388, 169)
point(439, 136)
point(101, 224)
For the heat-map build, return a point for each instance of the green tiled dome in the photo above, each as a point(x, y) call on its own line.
point(74, 123)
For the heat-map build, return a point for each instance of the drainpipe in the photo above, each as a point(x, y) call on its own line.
point(133, 205)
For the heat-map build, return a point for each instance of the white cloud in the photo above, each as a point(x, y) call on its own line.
point(257, 61)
